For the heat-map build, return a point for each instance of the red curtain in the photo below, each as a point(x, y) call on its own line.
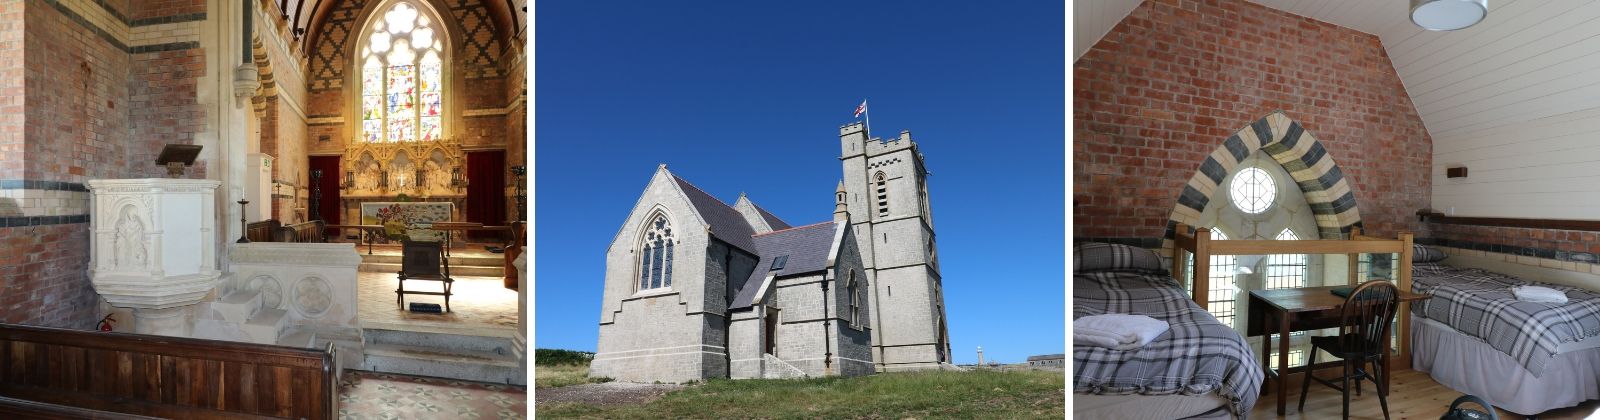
point(486, 190)
point(328, 204)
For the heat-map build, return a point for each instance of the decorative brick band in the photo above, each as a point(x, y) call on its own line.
point(1524, 251)
point(1289, 144)
point(25, 221)
point(1138, 242)
point(29, 184)
point(106, 35)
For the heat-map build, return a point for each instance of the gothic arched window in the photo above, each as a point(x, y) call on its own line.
point(882, 183)
point(655, 262)
point(855, 300)
point(1287, 270)
point(402, 76)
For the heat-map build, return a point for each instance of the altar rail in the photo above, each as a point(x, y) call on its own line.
point(271, 230)
point(163, 376)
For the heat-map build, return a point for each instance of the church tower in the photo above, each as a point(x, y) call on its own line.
point(886, 195)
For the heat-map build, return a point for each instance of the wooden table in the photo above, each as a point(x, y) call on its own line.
point(1301, 309)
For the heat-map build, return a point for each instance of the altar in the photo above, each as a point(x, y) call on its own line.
point(405, 186)
point(415, 219)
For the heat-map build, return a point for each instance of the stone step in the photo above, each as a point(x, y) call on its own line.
point(299, 338)
point(487, 344)
point(266, 325)
point(455, 260)
point(468, 365)
point(238, 306)
point(455, 270)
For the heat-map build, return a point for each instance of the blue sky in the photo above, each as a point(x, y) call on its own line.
point(748, 97)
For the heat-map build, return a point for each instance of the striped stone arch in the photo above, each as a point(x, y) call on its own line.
point(1332, 202)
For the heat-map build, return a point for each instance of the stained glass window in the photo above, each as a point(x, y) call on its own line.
point(402, 73)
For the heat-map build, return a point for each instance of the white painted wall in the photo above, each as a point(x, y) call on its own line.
point(1515, 99)
point(1092, 19)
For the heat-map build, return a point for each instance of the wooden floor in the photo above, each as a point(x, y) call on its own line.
point(1415, 396)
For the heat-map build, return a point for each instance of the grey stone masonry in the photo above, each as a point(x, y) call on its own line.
point(886, 197)
point(696, 288)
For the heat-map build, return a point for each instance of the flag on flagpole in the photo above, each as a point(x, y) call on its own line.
point(861, 109)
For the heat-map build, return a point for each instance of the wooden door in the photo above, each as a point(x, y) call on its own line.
point(770, 342)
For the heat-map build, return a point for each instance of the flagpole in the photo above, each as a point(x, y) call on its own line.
point(866, 112)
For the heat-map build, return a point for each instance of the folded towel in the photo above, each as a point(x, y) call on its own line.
point(1117, 331)
point(1539, 294)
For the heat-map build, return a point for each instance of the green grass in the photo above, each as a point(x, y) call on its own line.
point(555, 368)
point(563, 375)
point(922, 395)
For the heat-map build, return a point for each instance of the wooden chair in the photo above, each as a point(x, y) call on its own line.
point(1364, 325)
point(422, 260)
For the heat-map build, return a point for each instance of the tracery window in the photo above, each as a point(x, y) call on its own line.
point(402, 73)
point(655, 262)
point(1252, 190)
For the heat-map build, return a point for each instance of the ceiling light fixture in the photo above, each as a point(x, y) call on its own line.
point(1448, 15)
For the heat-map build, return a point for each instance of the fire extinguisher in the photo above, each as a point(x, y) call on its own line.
point(106, 323)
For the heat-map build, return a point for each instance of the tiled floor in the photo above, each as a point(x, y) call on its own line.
point(368, 395)
point(480, 306)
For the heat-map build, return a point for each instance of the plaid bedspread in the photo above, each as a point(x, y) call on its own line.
point(1480, 304)
point(1198, 355)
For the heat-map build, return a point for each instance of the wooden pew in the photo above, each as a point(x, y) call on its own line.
point(263, 231)
point(308, 232)
point(271, 230)
point(161, 376)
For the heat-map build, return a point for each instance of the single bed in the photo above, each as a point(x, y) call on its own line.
point(1198, 369)
point(1474, 336)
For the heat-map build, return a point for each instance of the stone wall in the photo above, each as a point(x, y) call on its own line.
point(1164, 88)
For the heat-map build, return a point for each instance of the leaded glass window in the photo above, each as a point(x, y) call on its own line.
point(1252, 190)
point(655, 262)
point(1286, 271)
point(402, 74)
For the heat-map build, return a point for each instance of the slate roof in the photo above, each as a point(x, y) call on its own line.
point(726, 223)
point(1056, 356)
point(772, 220)
point(806, 248)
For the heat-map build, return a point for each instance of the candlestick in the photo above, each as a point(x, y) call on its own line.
point(243, 228)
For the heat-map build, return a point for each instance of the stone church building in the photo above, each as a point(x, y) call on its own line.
point(697, 289)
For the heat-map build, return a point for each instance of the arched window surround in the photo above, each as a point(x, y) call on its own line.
point(655, 251)
point(446, 30)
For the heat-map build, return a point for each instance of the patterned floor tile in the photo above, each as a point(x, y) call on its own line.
point(369, 395)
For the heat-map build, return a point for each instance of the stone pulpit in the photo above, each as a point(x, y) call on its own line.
point(154, 248)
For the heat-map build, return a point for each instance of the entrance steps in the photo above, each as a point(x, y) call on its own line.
point(453, 356)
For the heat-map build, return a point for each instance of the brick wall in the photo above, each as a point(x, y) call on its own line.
point(11, 90)
point(1168, 84)
point(164, 106)
point(516, 127)
point(77, 100)
point(43, 281)
point(92, 90)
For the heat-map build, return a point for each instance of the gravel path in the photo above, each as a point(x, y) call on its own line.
point(608, 393)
